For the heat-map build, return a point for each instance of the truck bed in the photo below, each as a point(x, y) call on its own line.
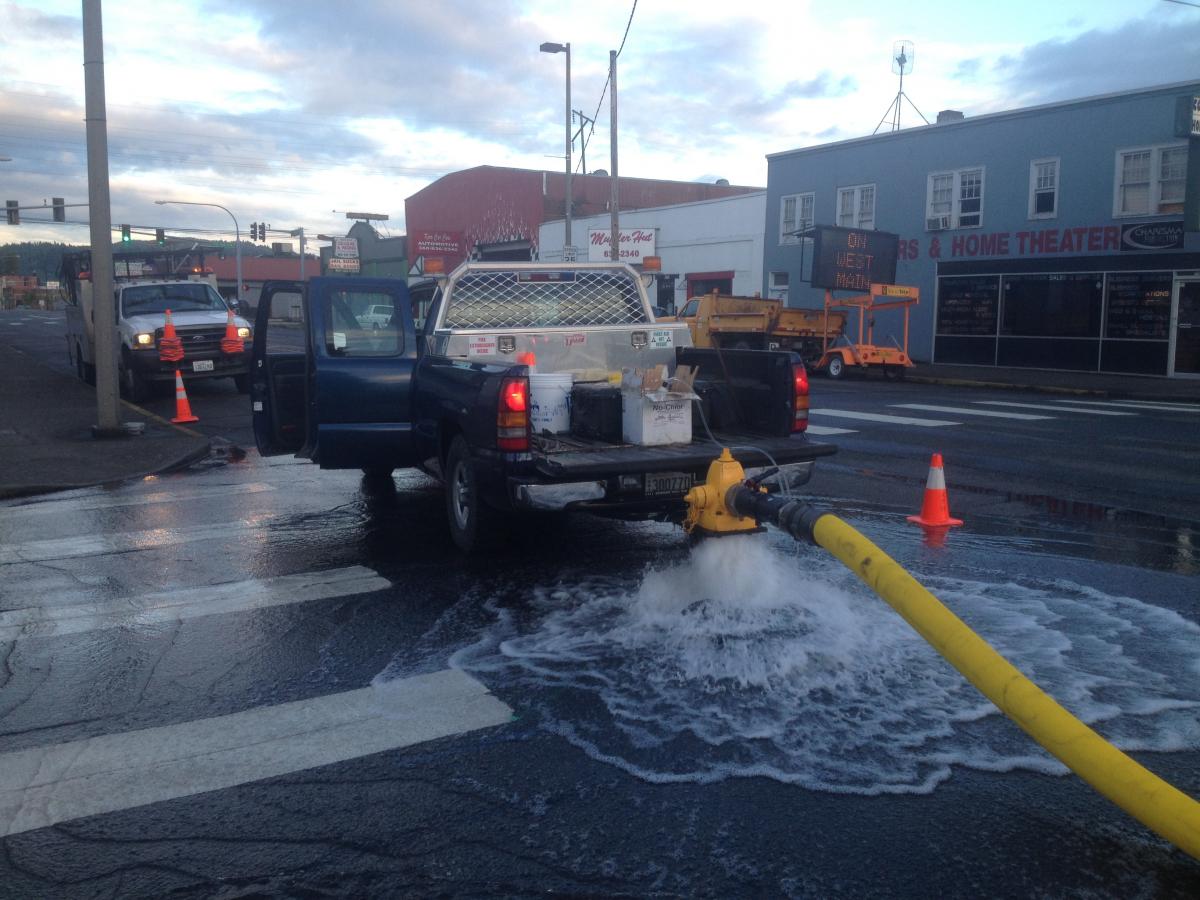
point(570, 457)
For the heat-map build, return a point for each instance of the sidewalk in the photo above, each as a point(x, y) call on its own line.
point(1099, 386)
point(45, 434)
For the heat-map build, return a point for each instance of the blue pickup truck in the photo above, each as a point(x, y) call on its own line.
point(450, 383)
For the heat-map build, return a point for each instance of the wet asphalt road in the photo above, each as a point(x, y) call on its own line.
point(575, 793)
point(730, 720)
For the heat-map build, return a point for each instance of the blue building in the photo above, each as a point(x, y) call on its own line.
point(1064, 236)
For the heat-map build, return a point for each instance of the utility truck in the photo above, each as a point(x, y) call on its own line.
point(525, 386)
point(752, 323)
point(145, 286)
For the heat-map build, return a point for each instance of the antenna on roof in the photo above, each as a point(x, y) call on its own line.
point(903, 56)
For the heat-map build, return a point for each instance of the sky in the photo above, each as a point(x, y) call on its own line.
point(294, 112)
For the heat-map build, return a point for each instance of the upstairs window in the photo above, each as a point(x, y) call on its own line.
point(856, 206)
point(1150, 181)
point(1043, 189)
point(795, 214)
point(954, 199)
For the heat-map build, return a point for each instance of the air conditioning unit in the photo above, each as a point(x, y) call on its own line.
point(937, 223)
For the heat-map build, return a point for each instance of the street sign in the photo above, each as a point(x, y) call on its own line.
point(345, 248)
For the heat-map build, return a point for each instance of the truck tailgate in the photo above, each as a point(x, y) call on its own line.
point(571, 458)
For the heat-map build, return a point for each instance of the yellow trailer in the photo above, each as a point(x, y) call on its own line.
point(837, 357)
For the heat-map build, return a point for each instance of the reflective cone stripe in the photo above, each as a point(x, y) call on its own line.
point(935, 510)
point(170, 347)
point(183, 409)
point(231, 343)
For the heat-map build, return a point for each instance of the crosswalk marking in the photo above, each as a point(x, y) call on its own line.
point(877, 417)
point(1139, 404)
point(56, 614)
point(963, 411)
point(828, 429)
point(43, 786)
point(120, 542)
point(94, 502)
point(1069, 409)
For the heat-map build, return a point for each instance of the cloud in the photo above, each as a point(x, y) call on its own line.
point(23, 22)
point(967, 68)
point(1141, 53)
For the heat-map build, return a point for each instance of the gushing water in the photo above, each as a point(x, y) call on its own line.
point(752, 658)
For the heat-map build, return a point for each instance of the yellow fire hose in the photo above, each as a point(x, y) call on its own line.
point(1151, 800)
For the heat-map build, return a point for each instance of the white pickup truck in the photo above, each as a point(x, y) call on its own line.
point(198, 312)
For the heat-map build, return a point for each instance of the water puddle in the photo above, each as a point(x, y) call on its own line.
point(758, 657)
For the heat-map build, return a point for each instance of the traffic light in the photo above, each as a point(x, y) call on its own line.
point(125, 236)
point(160, 236)
point(60, 209)
point(262, 231)
point(254, 231)
point(14, 211)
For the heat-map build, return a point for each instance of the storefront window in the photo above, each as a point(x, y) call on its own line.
point(1139, 305)
point(1059, 305)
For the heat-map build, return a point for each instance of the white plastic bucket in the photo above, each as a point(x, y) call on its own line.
point(550, 403)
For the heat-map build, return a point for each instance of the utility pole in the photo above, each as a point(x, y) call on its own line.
point(104, 327)
point(615, 201)
point(584, 121)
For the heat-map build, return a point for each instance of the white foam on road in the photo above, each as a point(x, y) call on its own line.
point(827, 429)
point(877, 417)
point(57, 615)
point(964, 411)
point(43, 786)
point(1060, 409)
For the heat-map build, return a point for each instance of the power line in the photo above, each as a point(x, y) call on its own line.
point(608, 80)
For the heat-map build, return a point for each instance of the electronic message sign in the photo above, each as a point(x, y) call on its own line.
point(851, 259)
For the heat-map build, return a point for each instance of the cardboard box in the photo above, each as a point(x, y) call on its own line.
point(659, 417)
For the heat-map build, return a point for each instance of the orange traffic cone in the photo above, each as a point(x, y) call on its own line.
point(231, 343)
point(170, 347)
point(183, 409)
point(935, 510)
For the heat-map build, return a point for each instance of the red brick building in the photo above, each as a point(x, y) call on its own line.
point(493, 212)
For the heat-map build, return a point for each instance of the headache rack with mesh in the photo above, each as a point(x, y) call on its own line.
point(504, 296)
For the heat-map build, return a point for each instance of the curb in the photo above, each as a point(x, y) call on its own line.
point(8, 492)
point(1006, 386)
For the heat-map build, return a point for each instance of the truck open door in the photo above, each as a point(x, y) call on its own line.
point(279, 369)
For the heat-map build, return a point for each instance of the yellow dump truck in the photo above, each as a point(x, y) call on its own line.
point(752, 323)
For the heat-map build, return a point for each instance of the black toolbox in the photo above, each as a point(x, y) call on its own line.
point(596, 411)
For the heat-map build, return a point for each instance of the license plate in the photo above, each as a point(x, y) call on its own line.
point(660, 483)
point(202, 365)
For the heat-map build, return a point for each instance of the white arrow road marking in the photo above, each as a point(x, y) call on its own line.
point(58, 615)
point(43, 786)
point(1068, 409)
point(876, 417)
point(962, 411)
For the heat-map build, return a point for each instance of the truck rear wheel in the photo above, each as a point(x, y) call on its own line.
point(836, 367)
point(472, 522)
point(242, 383)
point(86, 373)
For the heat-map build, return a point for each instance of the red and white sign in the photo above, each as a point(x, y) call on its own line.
point(345, 248)
point(422, 242)
point(481, 345)
point(636, 244)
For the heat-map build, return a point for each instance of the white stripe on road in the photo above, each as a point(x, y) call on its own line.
point(1069, 409)
point(963, 411)
point(57, 615)
point(1140, 404)
point(827, 429)
point(876, 417)
point(91, 502)
point(43, 786)
point(121, 542)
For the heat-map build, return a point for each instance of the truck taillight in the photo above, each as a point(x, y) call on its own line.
point(512, 415)
point(800, 397)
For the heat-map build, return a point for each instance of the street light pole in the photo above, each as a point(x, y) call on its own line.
point(237, 232)
point(565, 48)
